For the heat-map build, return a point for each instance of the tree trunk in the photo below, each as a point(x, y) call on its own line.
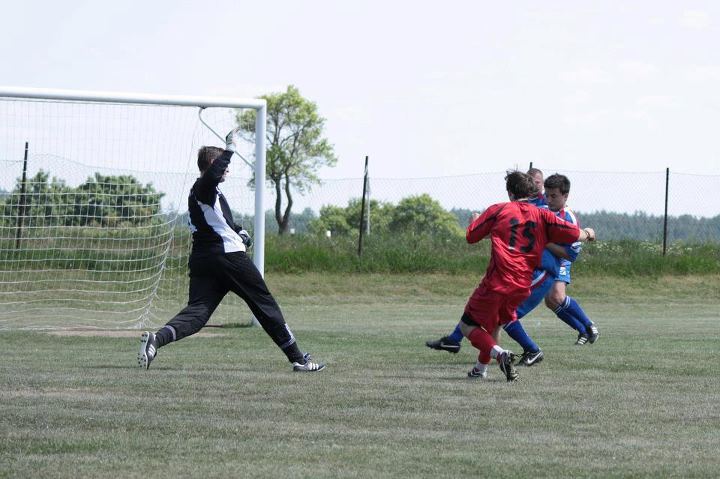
point(278, 204)
point(284, 226)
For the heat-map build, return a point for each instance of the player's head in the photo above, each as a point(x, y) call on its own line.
point(520, 185)
point(537, 176)
point(557, 189)
point(206, 156)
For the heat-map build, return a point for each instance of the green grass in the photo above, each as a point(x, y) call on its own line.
point(452, 255)
point(644, 401)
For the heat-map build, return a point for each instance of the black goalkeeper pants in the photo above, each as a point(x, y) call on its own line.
point(211, 278)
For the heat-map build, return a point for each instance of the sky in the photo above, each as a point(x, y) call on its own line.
point(424, 88)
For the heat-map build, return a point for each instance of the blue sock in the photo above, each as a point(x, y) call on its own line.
point(564, 314)
point(577, 312)
point(516, 331)
point(456, 335)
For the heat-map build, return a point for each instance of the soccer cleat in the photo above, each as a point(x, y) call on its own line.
point(505, 360)
point(593, 333)
point(476, 373)
point(444, 344)
point(308, 366)
point(148, 349)
point(530, 358)
point(582, 339)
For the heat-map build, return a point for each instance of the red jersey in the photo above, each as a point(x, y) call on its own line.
point(519, 232)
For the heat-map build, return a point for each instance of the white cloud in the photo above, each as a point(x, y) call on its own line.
point(695, 19)
point(658, 101)
point(586, 75)
point(703, 74)
point(636, 71)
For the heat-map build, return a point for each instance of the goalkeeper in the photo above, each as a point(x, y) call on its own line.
point(219, 264)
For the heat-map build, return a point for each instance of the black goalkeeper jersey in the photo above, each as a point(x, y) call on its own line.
point(213, 229)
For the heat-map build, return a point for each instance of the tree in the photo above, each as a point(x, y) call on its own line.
point(296, 149)
point(346, 220)
point(422, 215)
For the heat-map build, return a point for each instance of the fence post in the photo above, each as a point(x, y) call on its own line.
point(21, 205)
point(362, 206)
point(665, 221)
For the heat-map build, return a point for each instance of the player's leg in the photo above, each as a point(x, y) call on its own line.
point(554, 300)
point(569, 311)
point(242, 277)
point(531, 351)
point(205, 293)
point(483, 312)
point(480, 370)
point(449, 343)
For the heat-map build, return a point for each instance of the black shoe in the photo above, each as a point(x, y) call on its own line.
point(582, 339)
point(593, 333)
point(530, 358)
point(444, 344)
point(506, 360)
point(148, 349)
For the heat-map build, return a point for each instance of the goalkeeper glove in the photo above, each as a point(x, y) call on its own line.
point(246, 238)
point(232, 138)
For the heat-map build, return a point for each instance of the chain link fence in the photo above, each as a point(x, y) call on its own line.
point(619, 205)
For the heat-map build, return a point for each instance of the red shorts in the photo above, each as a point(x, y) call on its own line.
point(490, 308)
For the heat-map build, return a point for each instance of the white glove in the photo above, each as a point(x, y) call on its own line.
point(232, 138)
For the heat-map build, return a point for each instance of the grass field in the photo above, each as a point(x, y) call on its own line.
point(644, 401)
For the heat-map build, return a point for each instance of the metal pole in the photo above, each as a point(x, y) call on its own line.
point(21, 205)
point(259, 251)
point(362, 207)
point(667, 189)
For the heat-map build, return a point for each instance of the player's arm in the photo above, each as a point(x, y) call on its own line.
point(561, 231)
point(213, 175)
point(558, 250)
point(481, 224)
point(586, 234)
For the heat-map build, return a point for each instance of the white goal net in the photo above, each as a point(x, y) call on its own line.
point(93, 206)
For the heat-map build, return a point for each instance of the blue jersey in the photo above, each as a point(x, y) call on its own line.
point(572, 250)
point(538, 201)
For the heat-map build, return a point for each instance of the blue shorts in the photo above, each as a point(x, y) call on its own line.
point(564, 273)
point(536, 296)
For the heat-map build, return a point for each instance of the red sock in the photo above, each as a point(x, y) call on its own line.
point(482, 341)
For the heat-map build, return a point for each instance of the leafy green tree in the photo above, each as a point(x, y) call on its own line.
point(115, 200)
point(346, 220)
point(99, 201)
point(422, 215)
point(296, 148)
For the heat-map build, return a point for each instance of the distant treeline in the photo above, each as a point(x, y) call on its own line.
point(640, 226)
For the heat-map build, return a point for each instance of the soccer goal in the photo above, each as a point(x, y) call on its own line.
point(93, 204)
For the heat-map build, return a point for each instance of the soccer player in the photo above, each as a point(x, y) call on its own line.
point(537, 176)
point(541, 284)
point(519, 232)
point(219, 264)
point(557, 189)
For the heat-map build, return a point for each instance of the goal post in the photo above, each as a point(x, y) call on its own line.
point(121, 214)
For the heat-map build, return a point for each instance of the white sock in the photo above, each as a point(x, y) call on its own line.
point(496, 351)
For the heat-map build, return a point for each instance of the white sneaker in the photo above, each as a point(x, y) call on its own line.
point(309, 366)
point(476, 373)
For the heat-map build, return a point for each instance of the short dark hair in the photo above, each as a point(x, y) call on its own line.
point(206, 155)
point(520, 184)
point(561, 182)
point(535, 171)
